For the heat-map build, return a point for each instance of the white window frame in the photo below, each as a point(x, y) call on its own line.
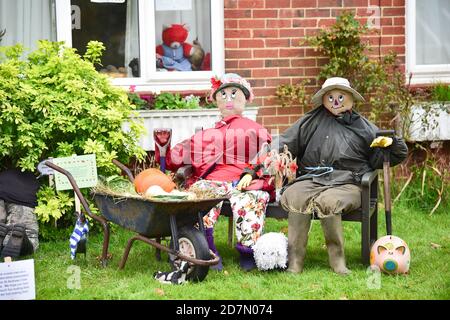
point(152, 80)
point(421, 74)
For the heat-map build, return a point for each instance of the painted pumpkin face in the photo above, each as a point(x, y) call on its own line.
point(231, 101)
point(337, 101)
point(391, 254)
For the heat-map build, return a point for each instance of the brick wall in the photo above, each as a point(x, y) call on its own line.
point(262, 44)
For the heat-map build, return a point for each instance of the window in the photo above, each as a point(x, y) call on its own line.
point(428, 41)
point(26, 21)
point(132, 31)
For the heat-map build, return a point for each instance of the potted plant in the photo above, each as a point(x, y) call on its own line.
point(430, 119)
point(183, 114)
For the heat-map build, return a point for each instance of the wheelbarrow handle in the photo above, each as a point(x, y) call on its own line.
point(124, 169)
point(76, 190)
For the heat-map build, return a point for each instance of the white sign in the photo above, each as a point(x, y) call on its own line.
point(173, 5)
point(17, 280)
point(83, 169)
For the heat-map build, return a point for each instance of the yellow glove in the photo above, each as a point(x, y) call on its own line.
point(245, 182)
point(381, 142)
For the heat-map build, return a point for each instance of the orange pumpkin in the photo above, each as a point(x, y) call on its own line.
point(151, 177)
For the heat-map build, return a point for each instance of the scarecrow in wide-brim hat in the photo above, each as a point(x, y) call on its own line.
point(332, 146)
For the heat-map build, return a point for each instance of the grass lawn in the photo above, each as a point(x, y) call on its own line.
point(429, 276)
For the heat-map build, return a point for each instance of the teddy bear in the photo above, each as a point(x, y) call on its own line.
point(174, 53)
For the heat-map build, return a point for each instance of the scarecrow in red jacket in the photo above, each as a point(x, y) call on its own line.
point(220, 158)
point(332, 144)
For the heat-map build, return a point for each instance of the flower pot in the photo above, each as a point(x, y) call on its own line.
point(429, 122)
point(182, 122)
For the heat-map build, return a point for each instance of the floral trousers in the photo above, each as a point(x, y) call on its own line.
point(248, 207)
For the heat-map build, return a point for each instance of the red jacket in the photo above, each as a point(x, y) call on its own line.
point(220, 153)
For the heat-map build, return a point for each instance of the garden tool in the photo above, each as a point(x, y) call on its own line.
point(162, 137)
point(384, 140)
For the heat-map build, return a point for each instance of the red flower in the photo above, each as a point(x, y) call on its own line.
point(256, 226)
point(293, 167)
point(241, 212)
point(215, 83)
point(132, 88)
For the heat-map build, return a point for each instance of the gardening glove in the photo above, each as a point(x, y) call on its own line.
point(244, 182)
point(381, 142)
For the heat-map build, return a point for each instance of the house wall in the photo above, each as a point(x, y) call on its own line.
point(262, 44)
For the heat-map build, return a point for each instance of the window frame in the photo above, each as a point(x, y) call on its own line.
point(150, 79)
point(421, 74)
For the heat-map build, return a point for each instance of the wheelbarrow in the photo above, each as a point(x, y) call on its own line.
point(153, 220)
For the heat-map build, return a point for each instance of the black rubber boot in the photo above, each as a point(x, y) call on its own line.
point(14, 245)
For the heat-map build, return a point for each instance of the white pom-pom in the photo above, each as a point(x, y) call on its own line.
point(271, 251)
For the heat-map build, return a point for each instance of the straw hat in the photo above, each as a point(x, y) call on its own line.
point(335, 83)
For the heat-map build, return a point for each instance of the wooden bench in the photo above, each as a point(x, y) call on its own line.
point(367, 215)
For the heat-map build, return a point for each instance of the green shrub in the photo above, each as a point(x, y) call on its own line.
point(53, 103)
point(441, 92)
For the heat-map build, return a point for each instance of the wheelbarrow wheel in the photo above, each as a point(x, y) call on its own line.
point(192, 243)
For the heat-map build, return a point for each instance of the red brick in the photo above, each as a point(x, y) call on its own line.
point(304, 23)
point(230, 24)
point(275, 82)
point(230, 4)
point(257, 83)
point(251, 24)
point(265, 53)
point(291, 72)
point(312, 72)
point(325, 23)
point(250, 4)
point(306, 62)
point(291, 33)
point(267, 111)
point(311, 32)
point(399, 21)
point(277, 3)
point(237, 14)
point(264, 92)
point(256, 43)
point(310, 52)
point(288, 110)
point(355, 3)
point(399, 40)
point(265, 13)
point(276, 120)
point(265, 33)
point(329, 3)
point(398, 3)
point(291, 13)
point(394, 11)
point(231, 44)
point(304, 3)
point(277, 43)
point(265, 73)
point(397, 49)
point(297, 52)
point(245, 73)
point(231, 64)
point(237, 33)
point(277, 63)
point(251, 63)
point(279, 23)
point(317, 13)
point(238, 54)
point(393, 30)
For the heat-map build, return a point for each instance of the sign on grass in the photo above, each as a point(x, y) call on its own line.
point(83, 169)
point(17, 280)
